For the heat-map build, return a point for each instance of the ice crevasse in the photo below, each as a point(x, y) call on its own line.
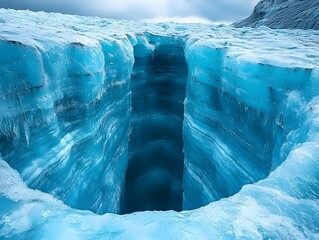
point(214, 128)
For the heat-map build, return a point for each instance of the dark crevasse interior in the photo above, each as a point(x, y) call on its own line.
point(155, 170)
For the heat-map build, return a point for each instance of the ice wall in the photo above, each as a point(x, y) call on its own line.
point(65, 116)
point(238, 125)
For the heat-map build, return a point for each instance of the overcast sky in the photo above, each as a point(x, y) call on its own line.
point(212, 10)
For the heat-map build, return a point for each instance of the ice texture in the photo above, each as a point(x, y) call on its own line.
point(100, 117)
point(293, 14)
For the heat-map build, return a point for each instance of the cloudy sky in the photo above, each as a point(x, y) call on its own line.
point(212, 10)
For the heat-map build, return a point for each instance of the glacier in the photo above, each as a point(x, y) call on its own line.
point(122, 130)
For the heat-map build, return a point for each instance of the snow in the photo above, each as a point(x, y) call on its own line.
point(96, 114)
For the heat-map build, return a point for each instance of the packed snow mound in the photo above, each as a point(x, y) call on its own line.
point(102, 117)
point(291, 14)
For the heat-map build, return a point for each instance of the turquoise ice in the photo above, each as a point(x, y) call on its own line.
point(214, 128)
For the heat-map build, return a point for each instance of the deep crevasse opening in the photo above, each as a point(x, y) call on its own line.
point(169, 121)
point(155, 170)
point(236, 128)
point(193, 141)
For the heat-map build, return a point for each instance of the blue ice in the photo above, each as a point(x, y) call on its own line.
point(124, 130)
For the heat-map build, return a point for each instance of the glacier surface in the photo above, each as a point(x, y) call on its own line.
point(101, 118)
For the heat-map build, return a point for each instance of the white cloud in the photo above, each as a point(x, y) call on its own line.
point(138, 9)
point(190, 19)
point(214, 10)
